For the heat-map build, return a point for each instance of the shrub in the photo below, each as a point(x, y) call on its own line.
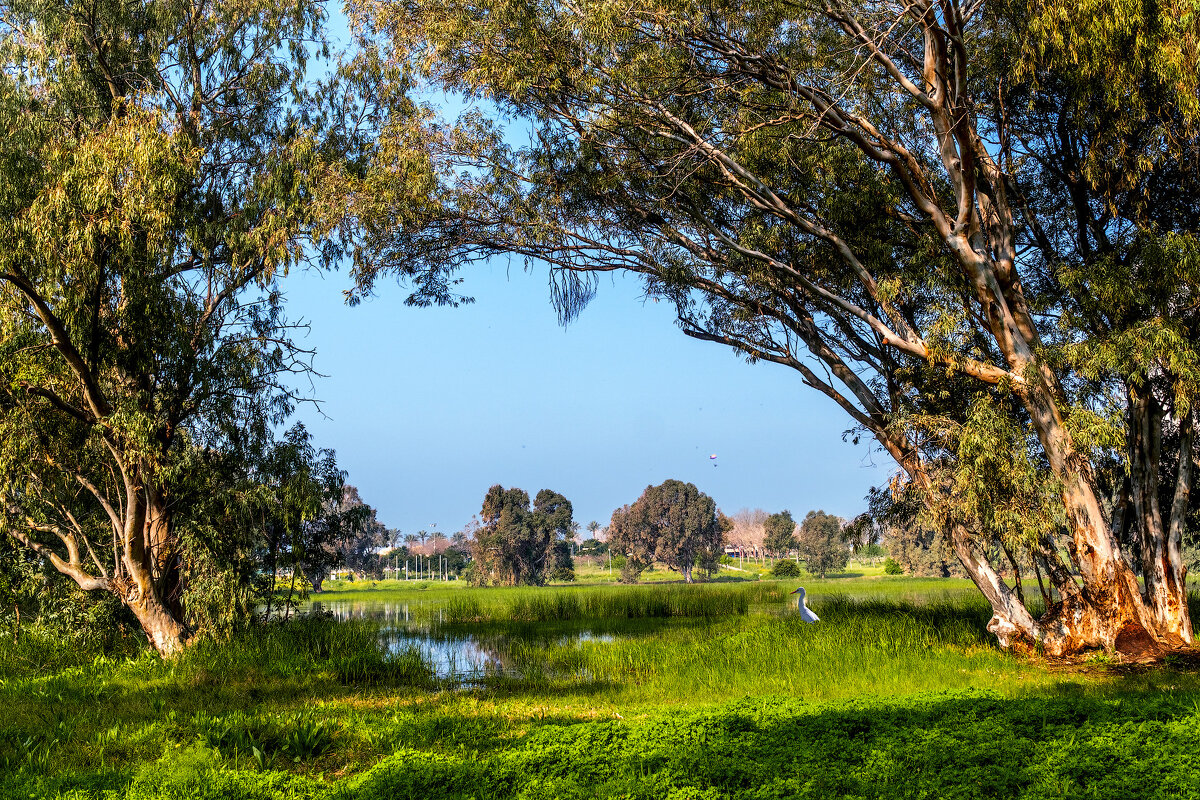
point(565, 574)
point(629, 573)
point(892, 567)
point(786, 568)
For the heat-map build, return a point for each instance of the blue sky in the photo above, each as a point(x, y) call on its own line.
point(427, 408)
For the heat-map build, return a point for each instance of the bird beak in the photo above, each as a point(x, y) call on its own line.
point(795, 592)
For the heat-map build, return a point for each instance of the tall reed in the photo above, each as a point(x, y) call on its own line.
point(633, 602)
point(353, 651)
point(874, 646)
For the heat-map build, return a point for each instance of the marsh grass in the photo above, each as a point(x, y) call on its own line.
point(350, 652)
point(35, 650)
point(255, 701)
point(860, 647)
point(635, 602)
point(704, 705)
point(445, 603)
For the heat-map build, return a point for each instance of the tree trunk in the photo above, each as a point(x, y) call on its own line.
point(1161, 536)
point(147, 523)
point(1101, 608)
point(164, 556)
point(168, 636)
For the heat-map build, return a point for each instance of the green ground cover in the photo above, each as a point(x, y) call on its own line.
point(714, 690)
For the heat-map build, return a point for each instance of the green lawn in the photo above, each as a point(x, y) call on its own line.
point(715, 690)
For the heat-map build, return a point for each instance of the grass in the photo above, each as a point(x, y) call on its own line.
point(715, 690)
point(634, 602)
point(860, 648)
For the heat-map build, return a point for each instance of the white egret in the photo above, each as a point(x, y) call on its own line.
point(805, 614)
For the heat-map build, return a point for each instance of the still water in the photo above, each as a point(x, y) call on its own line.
point(456, 653)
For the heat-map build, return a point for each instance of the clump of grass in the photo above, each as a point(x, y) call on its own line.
point(352, 651)
point(241, 738)
point(41, 649)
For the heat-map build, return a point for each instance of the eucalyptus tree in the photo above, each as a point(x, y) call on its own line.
point(160, 162)
point(517, 544)
point(820, 545)
point(674, 523)
point(632, 536)
point(780, 533)
point(972, 226)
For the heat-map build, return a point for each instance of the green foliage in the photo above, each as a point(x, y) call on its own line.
point(674, 523)
point(820, 545)
point(195, 772)
point(1124, 61)
point(939, 746)
point(919, 547)
point(892, 567)
point(785, 568)
point(780, 533)
point(562, 565)
point(161, 167)
point(952, 744)
point(306, 738)
point(593, 547)
point(67, 628)
point(518, 545)
point(633, 542)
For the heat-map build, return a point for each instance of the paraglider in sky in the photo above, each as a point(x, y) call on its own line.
point(713, 459)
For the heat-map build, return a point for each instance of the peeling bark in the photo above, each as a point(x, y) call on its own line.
point(167, 634)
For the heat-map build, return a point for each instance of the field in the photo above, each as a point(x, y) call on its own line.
point(664, 690)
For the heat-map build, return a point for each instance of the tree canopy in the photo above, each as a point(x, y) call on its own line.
point(780, 532)
point(972, 226)
point(674, 523)
point(820, 545)
point(162, 166)
point(519, 545)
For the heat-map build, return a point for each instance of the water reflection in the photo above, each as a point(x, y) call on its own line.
point(454, 653)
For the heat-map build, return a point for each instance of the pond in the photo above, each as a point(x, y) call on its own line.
point(463, 653)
